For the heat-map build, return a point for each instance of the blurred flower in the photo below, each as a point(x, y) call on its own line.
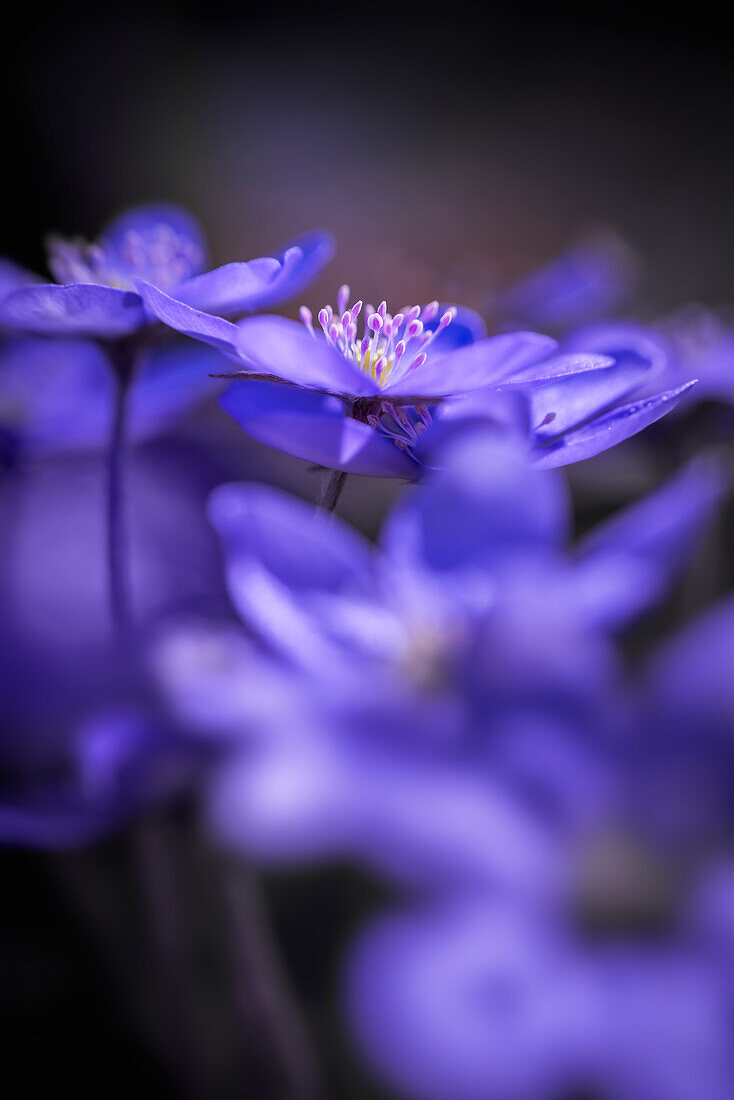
point(82, 744)
point(587, 282)
point(384, 404)
point(59, 395)
point(702, 342)
point(619, 979)
point(119, 764)
point(95, 293)
point(390, 691)
point(476, 999)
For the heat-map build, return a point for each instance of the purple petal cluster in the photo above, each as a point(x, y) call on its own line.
point(504, 702)
point(95, 293)
point(369, 392)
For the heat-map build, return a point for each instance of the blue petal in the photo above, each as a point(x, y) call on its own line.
point(484, 363)
point(245, 287)
point(472, 1001)
point(638, 358)
point(234, 288)
point(315, 428)
point(691, 675)
point(467, 327)
point(170, 381)
point(54, 394)
point(608, 430)
point(484, 506)
point(58, 394)
point(584, 283)
point(124, 763)
point(302, 259)
point(654, 537)
point(277, 346)
point(559, 367)
point(311, 793)
point(211, 330)
point(301, 546)
point(80, 309)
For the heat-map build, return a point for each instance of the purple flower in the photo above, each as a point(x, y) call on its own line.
point(702, 342)
point(96, 300)
point(388, 683)
point(587, 282)
point(81, 746)
point(119, 763)
point(383, 403)
point(95, 293)
point(59, 395)
point(619, 978)
point(484, 998)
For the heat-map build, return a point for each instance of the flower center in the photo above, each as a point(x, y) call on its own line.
point(624, 887)
point(161, 256)
point(390, 345)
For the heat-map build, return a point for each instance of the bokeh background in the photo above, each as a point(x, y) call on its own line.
point(449, 150)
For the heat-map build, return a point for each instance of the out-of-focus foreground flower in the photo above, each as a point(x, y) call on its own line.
point(619, 978)
point(379, 673)
point(449, 711)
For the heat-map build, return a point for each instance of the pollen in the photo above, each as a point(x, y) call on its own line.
point(390, 345)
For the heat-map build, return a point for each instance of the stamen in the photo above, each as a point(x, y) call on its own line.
point(379, 352)
point(307, 318)
point(415, 328)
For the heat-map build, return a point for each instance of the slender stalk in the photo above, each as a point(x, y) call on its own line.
point(331, 489)
point(122, 360)
point(271, 1025)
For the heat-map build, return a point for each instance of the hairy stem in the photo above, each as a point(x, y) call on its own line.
point(122, 360)
point(331, 489)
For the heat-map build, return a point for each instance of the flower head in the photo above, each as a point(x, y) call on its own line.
point(382, 678)
point(368, 391)
point(95, 293)
point(619, 977)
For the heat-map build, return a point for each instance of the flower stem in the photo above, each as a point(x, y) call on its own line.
point(122, 360)
point(272, 1029)
point(331, 489)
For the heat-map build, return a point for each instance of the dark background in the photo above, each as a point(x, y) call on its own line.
point(449, 150)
